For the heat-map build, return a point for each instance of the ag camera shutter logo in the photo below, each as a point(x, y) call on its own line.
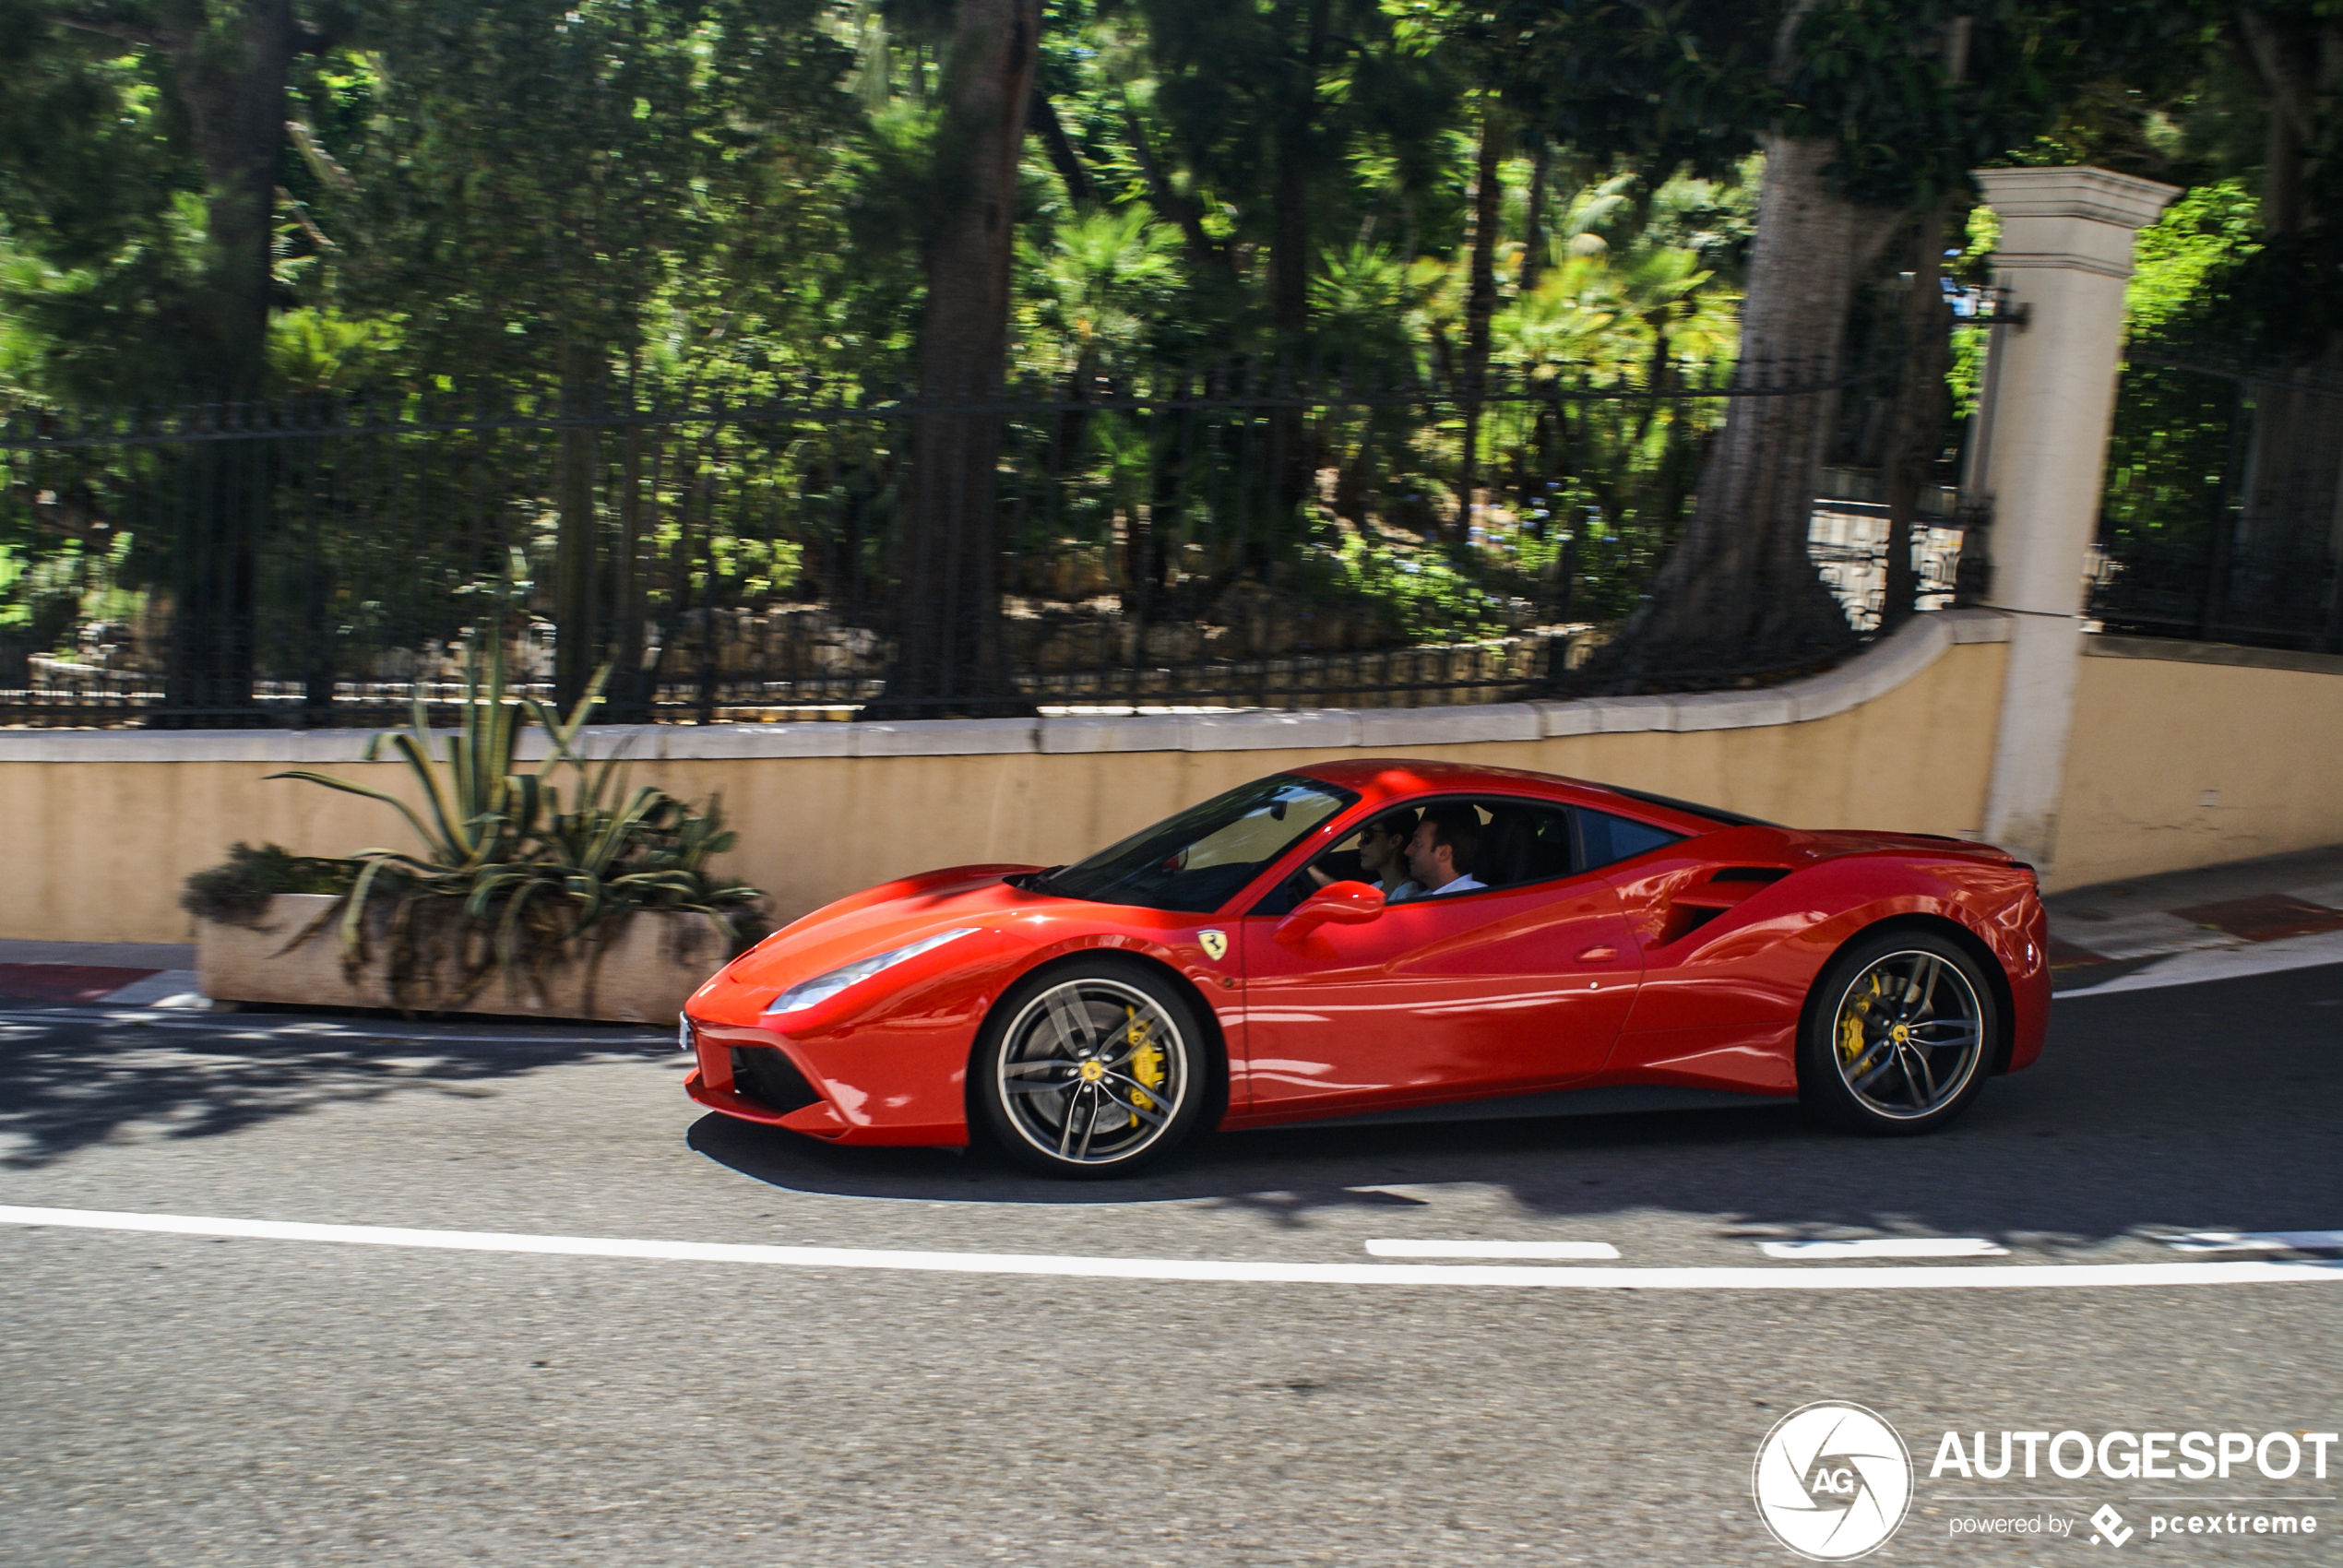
point(1833, 1482)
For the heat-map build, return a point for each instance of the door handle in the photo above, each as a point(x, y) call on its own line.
point(1599, 954)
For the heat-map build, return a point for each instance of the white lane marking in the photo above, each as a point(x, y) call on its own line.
point(2257, 1241)
point(165, 988)
point(1403, 1248)
point(2004, 1277)
point(302, 1031)
point(2226, 963)
point(1887, 1247)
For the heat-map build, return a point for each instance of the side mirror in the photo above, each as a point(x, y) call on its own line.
point(1339, 903)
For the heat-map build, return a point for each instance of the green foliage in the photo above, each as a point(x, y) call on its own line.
point(2170, 442)
point(560, 196)
point(1694, 83)
point(237, 891)
point(2185, 259)
point(102, 256)
point(725, 201)
point(1096, 291)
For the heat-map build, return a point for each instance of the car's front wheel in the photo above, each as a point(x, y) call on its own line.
point(1092, 1069)
point(1898, 1039)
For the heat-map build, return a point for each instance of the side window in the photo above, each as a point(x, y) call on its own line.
point(1604, 838)
point(1344, 860)
point(1515, 844)
point(1522, 843)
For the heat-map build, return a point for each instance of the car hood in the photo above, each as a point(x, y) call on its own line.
point(876, 920)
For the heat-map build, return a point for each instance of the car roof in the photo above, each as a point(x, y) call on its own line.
point(1381, 780)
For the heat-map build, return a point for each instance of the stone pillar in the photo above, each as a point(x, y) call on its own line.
point(2065, 252)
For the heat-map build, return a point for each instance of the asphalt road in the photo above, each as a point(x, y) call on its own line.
point(168, 1399)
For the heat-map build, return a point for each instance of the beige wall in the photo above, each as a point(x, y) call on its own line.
point(104, 845)
point(2153, 736)
point(2181, 756)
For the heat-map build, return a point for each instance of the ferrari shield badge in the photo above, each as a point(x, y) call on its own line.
point(1215, 944)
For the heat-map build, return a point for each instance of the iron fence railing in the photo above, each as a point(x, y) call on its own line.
point(1226, 538)
point(2223, 515)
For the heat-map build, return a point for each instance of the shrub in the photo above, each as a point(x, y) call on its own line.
point(237, 891)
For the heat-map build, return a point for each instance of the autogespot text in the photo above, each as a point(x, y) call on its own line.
point(2147, 1456)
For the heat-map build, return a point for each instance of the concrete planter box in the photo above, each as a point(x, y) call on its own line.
point(636, 970)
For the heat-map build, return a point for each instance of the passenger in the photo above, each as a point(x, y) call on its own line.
point(1441, 851)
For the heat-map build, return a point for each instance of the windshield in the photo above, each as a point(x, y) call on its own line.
point(1200, 860)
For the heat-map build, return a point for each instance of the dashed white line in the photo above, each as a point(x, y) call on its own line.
point(1887, 1247)
point(2258, 1241)
point(2002, 1276)
point(1401, 1248)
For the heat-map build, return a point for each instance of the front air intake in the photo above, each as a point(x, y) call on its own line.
point(765, 1073)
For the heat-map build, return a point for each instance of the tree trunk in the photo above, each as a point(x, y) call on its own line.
point(232, 90)
point(1915, 422)
point(947, 658)
point(1740, 589)
point(1533, 246)
point(234, 96)
point(578, 543)
point(1289, 458)
point(1080, 188)
point(2292, 485)
point(1209, 259)
point(1481, 301)
point(1290, 257)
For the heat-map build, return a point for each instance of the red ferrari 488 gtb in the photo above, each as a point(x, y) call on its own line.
point(1385, 941)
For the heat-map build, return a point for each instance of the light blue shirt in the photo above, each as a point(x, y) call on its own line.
point(1461, 884)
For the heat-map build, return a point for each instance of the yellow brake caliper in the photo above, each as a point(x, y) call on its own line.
point(1147, 1058)
point(1850, 1023)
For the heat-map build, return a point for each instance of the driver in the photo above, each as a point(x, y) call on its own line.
point(1383, 856)
point(1441, 853)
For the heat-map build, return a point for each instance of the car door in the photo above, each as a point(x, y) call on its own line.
point(1518, 988)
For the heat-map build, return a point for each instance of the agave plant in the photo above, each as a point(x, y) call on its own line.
point(531, 871)
point(479, 811)
point(650, 852)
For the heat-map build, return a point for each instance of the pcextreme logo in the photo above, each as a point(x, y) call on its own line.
point(1832, 1480)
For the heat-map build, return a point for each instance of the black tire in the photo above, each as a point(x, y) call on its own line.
point(1107, 1045)
point(1899, 1035)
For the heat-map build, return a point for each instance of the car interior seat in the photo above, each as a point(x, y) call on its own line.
point(1506, 841)
point(1524, 844)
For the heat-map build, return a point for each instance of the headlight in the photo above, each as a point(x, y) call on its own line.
point(821, 988)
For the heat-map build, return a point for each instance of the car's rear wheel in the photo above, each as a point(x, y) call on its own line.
point(1898, 1039)
point(1093, 1069)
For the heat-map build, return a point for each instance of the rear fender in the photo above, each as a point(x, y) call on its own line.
point(1755, 962)
point(2004, 1001)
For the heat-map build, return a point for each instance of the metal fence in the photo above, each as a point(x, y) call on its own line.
point(2223, 515)
point(1224, 539)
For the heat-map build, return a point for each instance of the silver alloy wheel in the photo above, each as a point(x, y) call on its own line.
point(1908, 1034)
point(1092, 1071)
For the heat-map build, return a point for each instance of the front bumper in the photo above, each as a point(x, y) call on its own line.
point(874, 1098)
